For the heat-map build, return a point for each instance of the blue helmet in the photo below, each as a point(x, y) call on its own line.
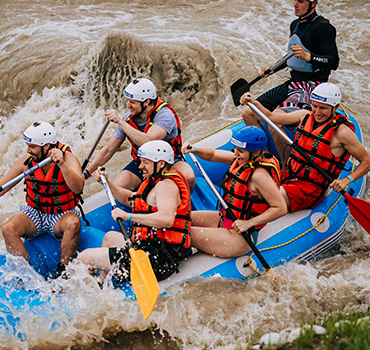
point(250, 138)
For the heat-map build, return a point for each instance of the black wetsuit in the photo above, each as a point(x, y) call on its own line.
point(319, 39)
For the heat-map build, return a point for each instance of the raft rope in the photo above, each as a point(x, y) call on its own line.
point(218, 130)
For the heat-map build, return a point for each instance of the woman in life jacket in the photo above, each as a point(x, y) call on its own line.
point(160, 218)
point(251, 191)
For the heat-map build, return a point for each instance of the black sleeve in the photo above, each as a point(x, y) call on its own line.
point(323, 47)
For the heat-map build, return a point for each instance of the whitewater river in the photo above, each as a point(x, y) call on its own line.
point(67, 61)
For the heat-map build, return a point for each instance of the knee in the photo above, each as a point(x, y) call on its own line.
point(74, 224)
point(112, 239)
point(84, 256)
point(247, 114)
point(9, 230)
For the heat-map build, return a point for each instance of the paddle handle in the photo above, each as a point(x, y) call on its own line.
point(27, 172)
point(294, 145)
point(114, 206)
point(279, 63)
point(230, 213)
point(95, 145)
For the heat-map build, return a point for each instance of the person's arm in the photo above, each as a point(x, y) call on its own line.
point(351, 144)
point(70, 168)
point(17, 169)
point(138, 137)
point(105, 154)
point(167, 196)
point(263, 184)
point(210, 154)
point(327, 56)
point(121, 194)
point(278, 116)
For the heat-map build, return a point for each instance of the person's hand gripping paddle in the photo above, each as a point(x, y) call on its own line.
point(143, 279)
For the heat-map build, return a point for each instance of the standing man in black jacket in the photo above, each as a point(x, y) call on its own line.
point(312, 40)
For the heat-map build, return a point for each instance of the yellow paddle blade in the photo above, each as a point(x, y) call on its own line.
point(143, 281)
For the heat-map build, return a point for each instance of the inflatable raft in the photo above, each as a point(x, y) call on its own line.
point(303, 235)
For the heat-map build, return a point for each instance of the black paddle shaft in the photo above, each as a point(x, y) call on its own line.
point(230, 213)
point(241, 86)
point(114, 206)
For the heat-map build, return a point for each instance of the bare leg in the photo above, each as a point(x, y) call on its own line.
point(68, 227)
point(250, 118)
point(113, 239)
point(98, 258)
point(209, 238)
point(126, 179)
point(205, 218)
point(219, 242)
point(20, 225)
point(187, 171)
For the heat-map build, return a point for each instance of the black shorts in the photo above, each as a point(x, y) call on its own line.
point(163, 264)
point(274, 97)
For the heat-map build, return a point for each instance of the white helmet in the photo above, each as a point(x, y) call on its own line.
point(40, 134)
point(326, 93)
point(157, 150)
point(140, 90)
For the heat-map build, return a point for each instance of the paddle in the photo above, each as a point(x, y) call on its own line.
point(230, 213)
point(359, 208)
point(27, 172)
point(143, 279)
point(241, 86)
point(95, 145)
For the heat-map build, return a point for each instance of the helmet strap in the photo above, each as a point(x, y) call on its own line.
point(143, 108)
point(308, 11)
point(43, 155)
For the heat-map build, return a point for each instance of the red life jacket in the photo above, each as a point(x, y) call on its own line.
point(242, 203)
point(179, 233)
point(176, 142)
point(316, 144)
point(49, 193)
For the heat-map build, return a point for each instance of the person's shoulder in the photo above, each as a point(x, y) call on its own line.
point(165, 111)
point(320, 22)
point(165, 185)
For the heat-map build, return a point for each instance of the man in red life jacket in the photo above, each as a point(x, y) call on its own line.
point(51, 195)
point(148, 118)
point(328, 138)
point(160, 214)
point(251, 191)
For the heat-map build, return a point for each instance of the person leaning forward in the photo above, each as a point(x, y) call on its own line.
point(313, 43)
point(49, 209)
point(161, 211)
point(251, 191)
point(148, 118)
point(329, 139)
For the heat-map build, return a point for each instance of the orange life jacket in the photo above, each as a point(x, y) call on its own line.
point(179, 233)
point(316, 144)
point(176, 142)
point(242, 203)
point(48, 192)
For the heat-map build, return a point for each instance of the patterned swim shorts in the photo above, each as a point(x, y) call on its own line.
point(44, 222)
